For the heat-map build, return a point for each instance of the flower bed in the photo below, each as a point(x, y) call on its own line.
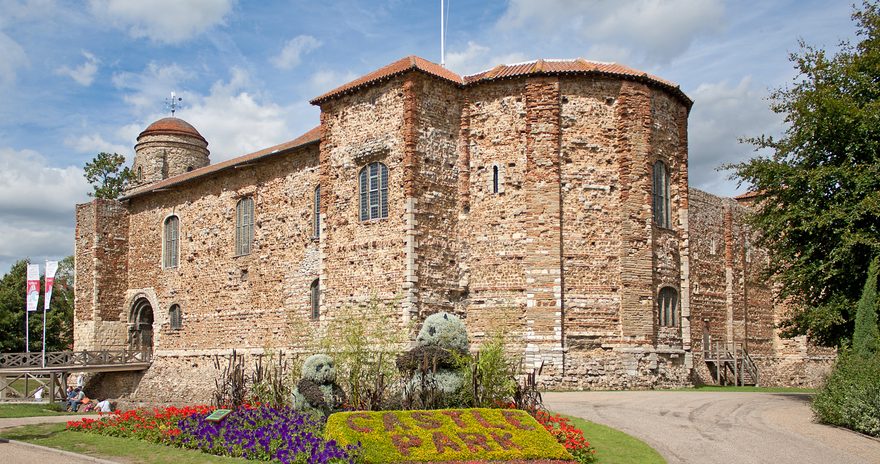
point(449, 435)
point(254, 432)
point(569, 436)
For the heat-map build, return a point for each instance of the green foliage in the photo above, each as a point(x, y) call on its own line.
point(489, 376)
point(820, 187)
point(365, 343)
point(851, 397)
point(866, 337)
point(444, 435)
point(271, 382)
point(59, 318)
point(107, 176)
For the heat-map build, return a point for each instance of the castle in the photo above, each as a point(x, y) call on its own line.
point(547, 200)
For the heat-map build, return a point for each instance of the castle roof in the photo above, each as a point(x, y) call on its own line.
point(545, 67)
point(310, 137)
point(173, 126)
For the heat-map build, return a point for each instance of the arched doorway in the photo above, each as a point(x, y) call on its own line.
point(140, 328)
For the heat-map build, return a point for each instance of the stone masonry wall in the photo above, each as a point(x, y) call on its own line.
point(732, 302)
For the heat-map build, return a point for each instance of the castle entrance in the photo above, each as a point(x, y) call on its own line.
point(140, 328)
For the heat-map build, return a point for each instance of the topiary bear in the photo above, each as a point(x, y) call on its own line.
point(317, 389)
point(443, 337)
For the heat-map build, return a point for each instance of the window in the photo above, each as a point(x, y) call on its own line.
point(374, 192)
point(244, 226)
point(667, 306)
point(495, 179)
point(140, 173)
point(175, 317)
point(316, 214)
point(171, 243)
point(316, 298)
point(661, 195)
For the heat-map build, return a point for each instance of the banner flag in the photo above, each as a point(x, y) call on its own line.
point(33, 287)
point(51, 267)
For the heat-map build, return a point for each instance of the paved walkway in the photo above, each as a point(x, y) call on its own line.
point(721, 427)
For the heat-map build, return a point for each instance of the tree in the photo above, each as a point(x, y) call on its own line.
point(107, 176)
point(59, 318)
point(820, 186)
point(866, 337)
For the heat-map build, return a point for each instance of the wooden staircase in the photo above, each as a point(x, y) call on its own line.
point(729, 363)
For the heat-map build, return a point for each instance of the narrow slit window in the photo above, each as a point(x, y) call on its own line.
point(316, 214)
point(244, 226)
point(495, 179)
point(315, 297)
point(171, 243)
point(667, 307)
point(175, 317)
point(373, 192)
point(662, 217)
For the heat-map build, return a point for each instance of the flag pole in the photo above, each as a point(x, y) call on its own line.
point(27, 344)
point(442, 41)
point(45, 304)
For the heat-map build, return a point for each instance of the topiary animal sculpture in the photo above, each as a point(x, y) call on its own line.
point(443, 337)
point(317, 389)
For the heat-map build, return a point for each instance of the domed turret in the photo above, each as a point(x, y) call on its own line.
point(168, 147)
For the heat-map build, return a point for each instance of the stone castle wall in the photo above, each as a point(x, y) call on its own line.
point(564, 259)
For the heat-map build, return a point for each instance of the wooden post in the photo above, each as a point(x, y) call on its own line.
point(736, 379)
point(718, 363)
point(51, 387)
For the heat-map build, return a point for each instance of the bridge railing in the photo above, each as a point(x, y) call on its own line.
point(68, 359)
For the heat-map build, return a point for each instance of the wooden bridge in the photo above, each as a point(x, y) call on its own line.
point(20, 371)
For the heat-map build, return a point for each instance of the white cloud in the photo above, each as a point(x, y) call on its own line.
point(83, 74)
point(293, 50)
point(165, 21)
point(95, 143)
point(12, 58)
point(476, 58)
point(325, 80)
point(655, 30)
point(37, 206)
point(150, 88)
point(722, 114)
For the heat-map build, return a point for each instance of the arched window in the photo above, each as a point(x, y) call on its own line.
point(244, 226)
point(175, 317)
point(316, 213)
point(171, 243)
point(315, 297)
point(495, 179)
point(661, 195)
point(374, 191)
point(140, 173)
point(667, 306)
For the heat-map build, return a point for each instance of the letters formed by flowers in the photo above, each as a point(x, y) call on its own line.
point(445, 435)
point(254, 432)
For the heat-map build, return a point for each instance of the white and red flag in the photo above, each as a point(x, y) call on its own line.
point(51, 267)
point(33, 286)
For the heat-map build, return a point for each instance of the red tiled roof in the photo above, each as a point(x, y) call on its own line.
point(537, 67)
point(312, 136)
point(171, 126)
point(400, 66)
point(749, 195)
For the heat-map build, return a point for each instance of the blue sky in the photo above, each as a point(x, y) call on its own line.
point(80, 77)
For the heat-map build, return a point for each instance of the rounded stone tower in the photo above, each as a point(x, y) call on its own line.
point(168, 147)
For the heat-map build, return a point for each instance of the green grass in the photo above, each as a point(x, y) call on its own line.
point(30, 410)
point(113, 448)
point(616, 447)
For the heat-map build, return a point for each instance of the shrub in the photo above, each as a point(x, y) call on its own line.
point(569, 436)
point(851, 396)
point(489, 378)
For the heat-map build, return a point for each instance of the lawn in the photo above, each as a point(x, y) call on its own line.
point(30, 410)
point(616, 447)
point(113, 448)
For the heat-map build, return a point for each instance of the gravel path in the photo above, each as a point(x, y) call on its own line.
point(721, 427)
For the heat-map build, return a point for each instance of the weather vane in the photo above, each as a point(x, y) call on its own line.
point(173, 103)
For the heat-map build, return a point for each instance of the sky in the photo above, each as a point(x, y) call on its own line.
point(81, 77)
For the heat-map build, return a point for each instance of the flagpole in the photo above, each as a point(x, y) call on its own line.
point(442, 41)
point(45, 303)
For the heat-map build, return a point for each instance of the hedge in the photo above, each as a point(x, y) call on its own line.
point(445, 435)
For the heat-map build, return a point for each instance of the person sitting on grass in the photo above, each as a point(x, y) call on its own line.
point(73, 403)
point(103, 406)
